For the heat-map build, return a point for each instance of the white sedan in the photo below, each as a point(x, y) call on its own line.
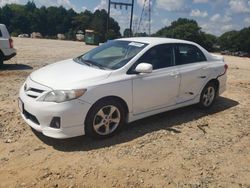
point(119, 82)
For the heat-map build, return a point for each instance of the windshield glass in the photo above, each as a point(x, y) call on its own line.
point(111, 55)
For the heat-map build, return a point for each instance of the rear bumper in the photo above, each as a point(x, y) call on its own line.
point(222, 80)
point(8, 53)
point(9, 56)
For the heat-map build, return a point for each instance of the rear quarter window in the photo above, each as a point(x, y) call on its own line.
point(1, 35)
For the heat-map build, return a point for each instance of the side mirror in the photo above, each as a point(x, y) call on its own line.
point(144, 68)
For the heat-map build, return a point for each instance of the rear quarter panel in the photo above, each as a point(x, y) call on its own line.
point(4, 41)
point(216, 70)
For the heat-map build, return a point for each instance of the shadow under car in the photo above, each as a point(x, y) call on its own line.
point(162, 121)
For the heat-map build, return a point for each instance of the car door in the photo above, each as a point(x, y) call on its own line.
point(192, 66)
point(160, 88)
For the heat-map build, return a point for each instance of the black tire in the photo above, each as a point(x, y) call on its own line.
point(92, 118)
point(208, 96)
point(1, 59)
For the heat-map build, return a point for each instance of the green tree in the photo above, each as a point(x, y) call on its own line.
point(126, 32)
point(243, 40)
point(188, 30)
point(209, 42)
point(81, 21)
point(228, 41)
point(53, 20)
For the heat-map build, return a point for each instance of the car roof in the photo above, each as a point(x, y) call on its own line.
point(156, 40)
point(160, 40)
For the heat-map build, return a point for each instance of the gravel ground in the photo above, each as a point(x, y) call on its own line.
point(181, 148)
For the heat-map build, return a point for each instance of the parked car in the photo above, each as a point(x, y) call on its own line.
point(61, 36)
point(236, 53)
point(225, 52)
point(119, 82)
point(24, 35)
point(243, 54)
point(36, 35)
point(7, 50)
point(80, 35)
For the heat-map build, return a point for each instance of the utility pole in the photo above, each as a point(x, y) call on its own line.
point(121, 4)
point(149, 17)
point(108, 18)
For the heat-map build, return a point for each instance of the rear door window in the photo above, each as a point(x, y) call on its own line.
point(187, 53)
point(1, 35)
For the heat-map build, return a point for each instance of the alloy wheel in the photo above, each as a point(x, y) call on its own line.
point(208, 96)
point(106, 120)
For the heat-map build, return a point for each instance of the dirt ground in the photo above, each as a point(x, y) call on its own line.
point(181, 148)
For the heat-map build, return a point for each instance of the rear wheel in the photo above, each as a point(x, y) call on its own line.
point(105, 119)
point(208, 95)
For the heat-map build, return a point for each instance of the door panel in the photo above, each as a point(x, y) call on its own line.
point(192, 66)
point(193, 77)
point(155, 90)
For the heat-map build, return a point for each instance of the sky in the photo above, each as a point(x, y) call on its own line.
point(214, 16)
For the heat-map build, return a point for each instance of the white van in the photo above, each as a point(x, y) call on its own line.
point(7, 51)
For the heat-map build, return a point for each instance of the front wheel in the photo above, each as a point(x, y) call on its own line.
point(105, 119)
point(1, 60)
point(208, 96)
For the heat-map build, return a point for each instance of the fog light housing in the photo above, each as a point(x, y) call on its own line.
point(55, 122)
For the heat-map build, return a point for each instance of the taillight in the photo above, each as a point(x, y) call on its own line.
point(11, 43)
point(226, 67)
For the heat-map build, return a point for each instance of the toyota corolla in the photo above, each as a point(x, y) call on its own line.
point(119, 82)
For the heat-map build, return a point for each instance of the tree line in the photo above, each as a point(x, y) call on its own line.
point(189, 30)
point(50, 21)
point(236, 40)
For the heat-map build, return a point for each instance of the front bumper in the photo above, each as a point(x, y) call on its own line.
point(72, 114)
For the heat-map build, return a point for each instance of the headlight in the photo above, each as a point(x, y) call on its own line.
point(62, 95)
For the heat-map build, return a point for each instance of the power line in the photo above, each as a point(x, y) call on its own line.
point(145, 18)
point(121, 4)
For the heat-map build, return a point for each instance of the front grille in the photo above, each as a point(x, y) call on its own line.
point(32, 96)
point(33, 92)
point(31, 117)
point(36, 90)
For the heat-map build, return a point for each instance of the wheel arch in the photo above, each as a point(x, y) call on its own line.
point(216, 82)
point(112, 97)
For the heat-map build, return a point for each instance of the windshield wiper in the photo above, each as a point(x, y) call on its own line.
point(78, 60)
point(83, 61)
point(90, 63)
point(87, 63)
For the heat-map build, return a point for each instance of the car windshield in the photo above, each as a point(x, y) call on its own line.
point(111, 55)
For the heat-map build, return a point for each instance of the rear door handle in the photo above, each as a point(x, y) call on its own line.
point(174, 74)
point(204, 68)
point(202, 76)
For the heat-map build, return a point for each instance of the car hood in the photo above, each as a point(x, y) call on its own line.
point(68, 74)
